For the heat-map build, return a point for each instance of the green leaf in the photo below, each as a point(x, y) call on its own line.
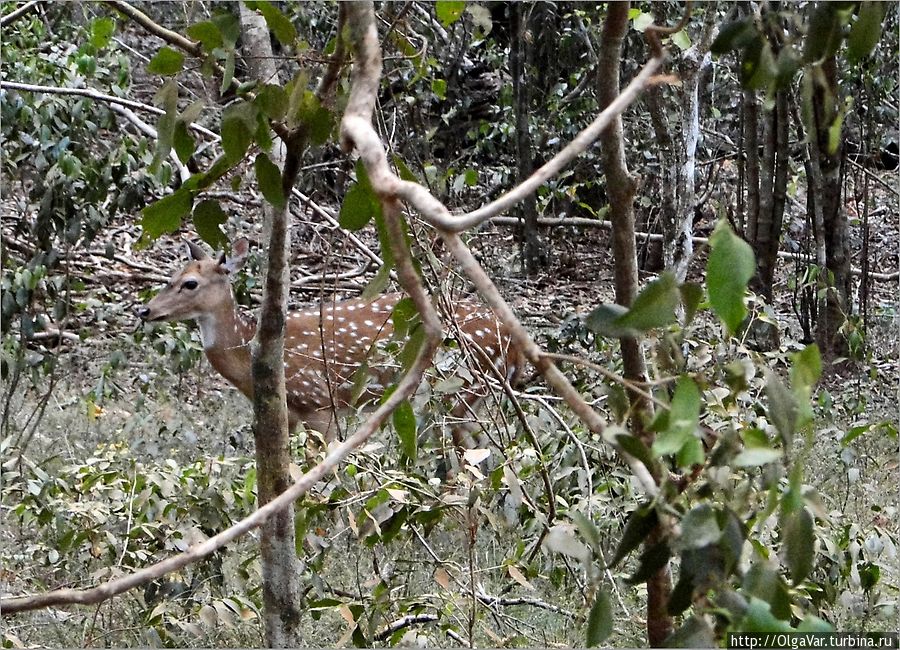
point(823, 36)
point(636, 448)
point(403, 170)
point(411, 348)
point(102, 30)
point(207, 34)
point(800, 544)
point(279, 24)
point(640, 523)
point(182, 142)
point(229, 26)
point(449, 11)
point(588, 531)
point(166, 214)
point(651, 560)
point(642, 21)
point(228, 72)
point(684, 416)
point(405, 425)
point(439, 88)
point(600, 620)
point(806, 368)
point(865, 32)
point(317, 119)
point(762, 582)
point(604, 321)
point(699, 528)
point(238, 126)
point(681, 39)
point(208, 219)
point(272, 101)
point(167, 98)
point(358, 208)
point(756, 456)
point(782, 407)
point(269, 178)
point(759, 619)
point(691, 453)
point(758, 69)
point(731, 265)
point(654, 306)
point(167, 62)
point(691, 297)
point(378, 284)
point(733, 36)
point(404, 316)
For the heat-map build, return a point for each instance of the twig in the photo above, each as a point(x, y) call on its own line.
point(183, 172)
point(652, 236)
point(15, 14)
point(170, 37)
point(94, 94)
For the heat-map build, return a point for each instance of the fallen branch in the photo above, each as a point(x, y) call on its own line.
point(15, 14)
point(101, 97)
point(583, 222)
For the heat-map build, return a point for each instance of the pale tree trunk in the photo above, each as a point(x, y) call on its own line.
point(677, 179)
point(621, 188)
point(278, 555)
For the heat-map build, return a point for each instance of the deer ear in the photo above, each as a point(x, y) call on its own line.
point(195, 252)
point(238, 256)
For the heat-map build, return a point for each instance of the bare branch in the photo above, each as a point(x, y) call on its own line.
point(93, 94)
point(170, 37)
point(15, 14)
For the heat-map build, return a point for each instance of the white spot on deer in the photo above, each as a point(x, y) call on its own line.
point(338, 307)
point(369, 323)
point(353, 326)
point(305, 383)
point(343, 330)
point(351, 307)
point(341, 319)
point(489, 350)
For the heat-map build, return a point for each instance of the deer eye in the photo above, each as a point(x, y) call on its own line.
point(190, 285)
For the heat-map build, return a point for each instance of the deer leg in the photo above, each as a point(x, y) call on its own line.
point(323, 421)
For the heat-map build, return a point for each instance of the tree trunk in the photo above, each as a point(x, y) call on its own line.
point(836, 228)
point(534, 254)
point(621, 188)
point(278, 555)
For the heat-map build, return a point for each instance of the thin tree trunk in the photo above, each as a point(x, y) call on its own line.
point(534, 254)
point(621, 188)
point(751, 148)
point(278, 555)
point(838, 297)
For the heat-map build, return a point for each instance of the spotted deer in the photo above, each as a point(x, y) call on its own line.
point(325, 347)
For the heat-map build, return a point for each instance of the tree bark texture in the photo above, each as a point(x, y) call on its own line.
point(838, 296)
point(621, 188)
point(278, 555)
point(534, 254)
point(678, 171)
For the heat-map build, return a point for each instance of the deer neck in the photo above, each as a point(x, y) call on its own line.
point(224, 328)
point(226, 337)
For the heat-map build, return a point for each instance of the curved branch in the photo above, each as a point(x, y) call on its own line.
point(145, 21)
point(353, 133)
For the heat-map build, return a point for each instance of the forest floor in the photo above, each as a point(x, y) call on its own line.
point(155, 395)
